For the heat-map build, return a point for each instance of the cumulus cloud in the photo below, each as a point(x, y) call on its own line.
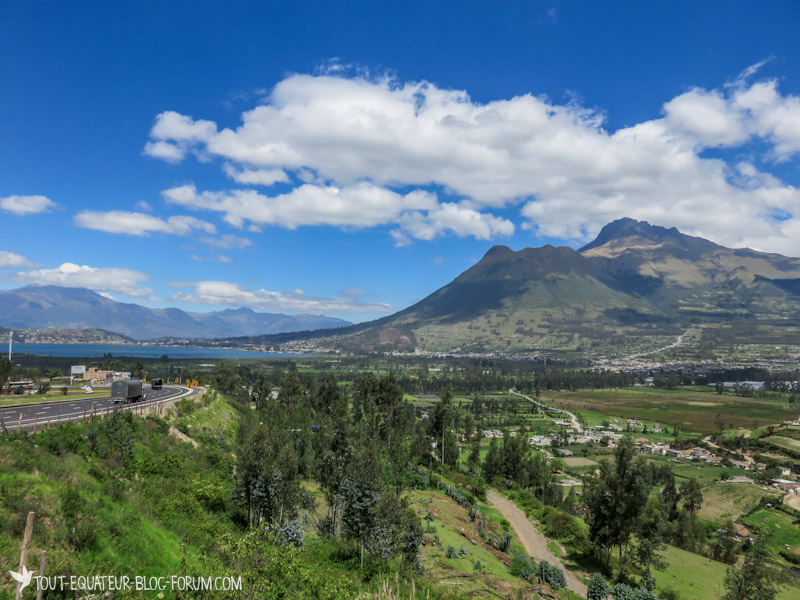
point(223, 293)
point(26, 205)
point(13, 260)
point(101, 279)
point(140, 224)
point(264, 177)
point(418, 213)
point(368, 148)
point(227, 242)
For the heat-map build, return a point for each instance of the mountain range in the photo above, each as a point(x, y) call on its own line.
point(636, 286)
point(62, 307)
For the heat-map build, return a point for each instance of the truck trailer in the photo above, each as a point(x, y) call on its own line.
point(156, 383)
point(127, 391)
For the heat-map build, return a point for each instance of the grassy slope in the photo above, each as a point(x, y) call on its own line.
point(454, 528)
point(91, 519)
point(699, 578)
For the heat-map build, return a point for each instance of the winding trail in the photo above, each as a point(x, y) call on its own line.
point(533, 540)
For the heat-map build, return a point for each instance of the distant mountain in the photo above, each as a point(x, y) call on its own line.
point(635, 286)
point(39, 307)
point(63, 336)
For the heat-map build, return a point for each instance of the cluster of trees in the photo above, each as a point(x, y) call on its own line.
point(623, 513)
point(361, 460)
point(365, 457)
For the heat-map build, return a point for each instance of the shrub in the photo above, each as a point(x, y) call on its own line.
point(521, 566)
point(450, 552)
point(670, 594)
point(598, 588)
point(291, 532)
point(550, 574)
point(623, 591)
point(326, 527)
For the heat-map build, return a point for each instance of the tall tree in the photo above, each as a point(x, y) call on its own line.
point(650, 535)
point(474, 459)
point(754, 579)
point(361, 494)
point(670, 497)
point(291, 390)
point(692, 495)
point(440, 421)
point(330, 395)
point(615, 499)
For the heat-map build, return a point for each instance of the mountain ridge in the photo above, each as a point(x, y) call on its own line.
point(47, 307)
point(634, 285)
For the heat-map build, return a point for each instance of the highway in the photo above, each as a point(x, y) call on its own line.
point(71, 410)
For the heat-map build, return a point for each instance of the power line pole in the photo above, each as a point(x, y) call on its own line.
point(10, 341)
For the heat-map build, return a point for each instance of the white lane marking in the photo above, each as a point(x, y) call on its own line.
point(102, 411)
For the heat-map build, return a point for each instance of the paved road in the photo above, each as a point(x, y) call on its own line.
point(533, 540)
point(59, 412)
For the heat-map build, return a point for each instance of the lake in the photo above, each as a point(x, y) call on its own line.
point(92, 350)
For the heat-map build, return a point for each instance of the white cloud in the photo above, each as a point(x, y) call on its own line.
point(265, 177)
point(140, 224)
point(227, 242)
point(223, 293)
point(418, 213)
point(361, 144)
point(144, 205)
point(165, 151)
point(105, 279)
point(219, 257)
point(26, 205)
point(13, 260)
point(453, 218)
point(181, 131)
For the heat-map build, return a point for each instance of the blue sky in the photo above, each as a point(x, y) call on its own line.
point(349, 159)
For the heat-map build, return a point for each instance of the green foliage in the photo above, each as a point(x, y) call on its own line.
point(450, 552)
point(754, 579)
point(550, 574)
point(598, 587)
point(615, 500)
point(291, 532)
point(692, 495)
point(623, 591)
point(521, 566)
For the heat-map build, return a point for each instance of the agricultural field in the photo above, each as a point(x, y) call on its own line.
point(783, 442)
point(782, 529)
point(689, 409)
point(722, 501)
point(703, 472)
point(578, 462)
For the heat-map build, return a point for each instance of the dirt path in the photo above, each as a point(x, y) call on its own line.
point(535, 543)
point(575, 423)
